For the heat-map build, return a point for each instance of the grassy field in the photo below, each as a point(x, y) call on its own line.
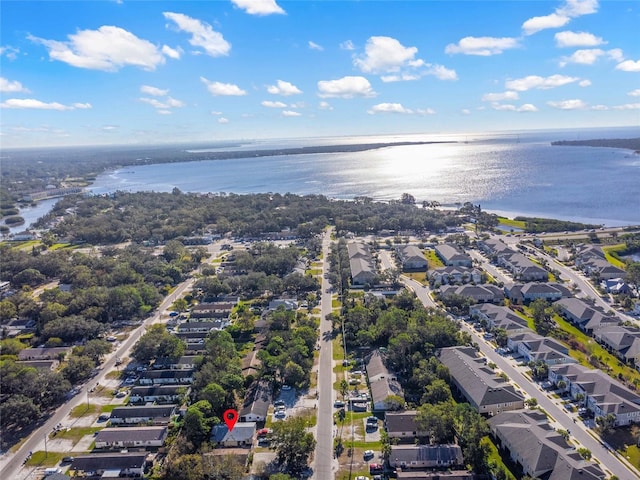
point(432, 258)
point(512, 223)
point(75, 434)
point(42, 459)
point(609, 249)
point(83, 409)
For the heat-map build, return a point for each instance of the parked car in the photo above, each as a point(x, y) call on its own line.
point(368, 454)
point(280, 414)
point(338, 404)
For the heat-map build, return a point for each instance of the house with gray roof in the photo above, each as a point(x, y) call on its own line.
point(521, 267)
point(161, 394)
point(110, 465)
point(151, 414)
point(592, 261)
point(185, 362)
point(240, 436)
point(256, 402)
point(586, 317)
point(425, 456)
point(44, 353)
point(622, 341)
point(454, 276)
point(528, 292)
point(499, 317)
point(600, 393)
point(362, 264)
point(402, 425)
point(477, 293)
point(221, 309)
point(166, 377)
point(412, 258)
point(451, 255)
point(382, 382)
point(132, 437)
point(541, 452)
point(493, 246)
point(480, 386)
point(434, 475)
point(534, 347)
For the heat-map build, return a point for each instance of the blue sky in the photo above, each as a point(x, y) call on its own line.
point(144, 72)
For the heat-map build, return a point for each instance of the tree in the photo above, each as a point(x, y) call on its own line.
point(436, 420)
point(407, 199)
point(542, 320)
point(157, 342)
point(19, 411)
point(78, 369)
point(197, 425)
point(95, 349)
point(584, 453)
point(292, 444)
point(7, 310)
point(606, 424)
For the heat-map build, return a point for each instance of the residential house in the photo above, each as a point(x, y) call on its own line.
point(193, 326)
point(622, 341)
point(402, 425)
point(434, 475)
point(615, 286)
point(493, 246)
point(221, 309)
point(362, 264)
point(240, 436)
point(454, 276)
point(483, 389)
point(46, 365)
point(286, 303)
point(185, 362)
point(497, 316)
point(528, 292)
point(541, 452)
point(113, 464)
point(17, 326)
point(451, 255)
point(478, 293)
point(521, 267)
point(382, 382)
point(166, 377)
point(161, 394)
point(152, 414)
point(534, 348)
point(586, 317)
point(592, 261)
point(133, 437)
point(425, 456)
point(412, 258)
point(256, 402)
point(44, 353)
point(598, 392)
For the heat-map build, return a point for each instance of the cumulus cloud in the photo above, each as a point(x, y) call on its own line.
point(259, 7)
point(174, 53)
point(629, 66)
point(385, 54)
point(465, 111)
point(599, 107)
point(527, 107)
point(628, 106)
point(223, 89)
point(325, 106)
point(574, 104)
point(109, 48)
point(12, 86)
point(425, 111)
point(223, 120)
point(345, 87)
point(498, 97)
point(584, 83)
point(33, 104)
point(634, 93)
point(315, 46)
point(483, 46)
point(577, 39)
point(591, 55)
point(283, 88)
point(389, 108)
point(270, 104)
point(165, 104)
point(347, 45)
point(441, 72)
point(10, 52)
point(535, 81)
point(202, 35)
point(154, 91)
point(290, 113)
point(562, 15)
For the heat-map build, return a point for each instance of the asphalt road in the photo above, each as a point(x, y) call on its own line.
point(323, 459)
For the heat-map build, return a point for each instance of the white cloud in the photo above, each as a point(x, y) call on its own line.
point(441, 72)
point(325, 106)
point(33, 104)
point(483, 46)
point(223, 89)
point(600, 108)
point(214, 112)
point(629, 66)
point(223, 120)
point(527, 107)
point(389, 108)
point(384, 55)
point(628, 106)
point(163, 112)
point(12, 86)
point(535, 81)
point(562, 16)
point(202, 35)
point(174, 53)
point(315, 46)
point(465, 111)
point(290, 113)
point(584, 83)
point(634, 93)
point(259, 7)
point(577, 39)
point(574, 104)
point(591, 55)
point(10, 52)
point(108, 48)
point(425, 111)
point(345, 87)
point(283, 88)
point(347, 45)
point(166, 103)
point(270, 104)
point(82, 106)
point(498, 97)
point(615, 54)
point(154, 91)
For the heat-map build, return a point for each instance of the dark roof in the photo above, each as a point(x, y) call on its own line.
point(152, 411)
point(446, 454)
point(257, 399)
point(401, 422)
point(120, 434)
point(109, 461)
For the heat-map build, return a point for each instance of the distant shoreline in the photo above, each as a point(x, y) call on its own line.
point(626, 143)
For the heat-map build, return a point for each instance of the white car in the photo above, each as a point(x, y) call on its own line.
point(280, 414)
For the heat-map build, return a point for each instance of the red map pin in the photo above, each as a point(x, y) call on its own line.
point(230, 417)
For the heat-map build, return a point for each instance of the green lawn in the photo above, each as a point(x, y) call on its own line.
point(610, 258)
point(512, 223)
point(75, 434)
point(42, 459)
point(432, 258)
point(83, 409)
